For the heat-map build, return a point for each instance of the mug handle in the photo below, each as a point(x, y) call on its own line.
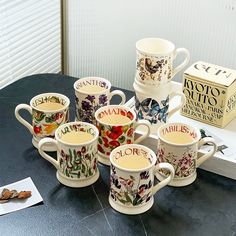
point(119, 93)
point(45, 155)
point(182, 102)
point(184, 63)
point(209, 154)
point(165, 181)
point(20, 119)
point(145, 135)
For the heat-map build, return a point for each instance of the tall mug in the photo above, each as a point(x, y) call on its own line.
point(155, 57)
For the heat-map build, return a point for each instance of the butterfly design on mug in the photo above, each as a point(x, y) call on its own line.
point(151, 110)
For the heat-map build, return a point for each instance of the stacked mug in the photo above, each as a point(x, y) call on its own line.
point(153, 87)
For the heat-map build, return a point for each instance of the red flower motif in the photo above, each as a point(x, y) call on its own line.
point(114, 144)
point(128, 141)
point(130, 115)
point(115, 132)
point(105, 141)
point(100, 149)
point(130, 132)
point(37, 129)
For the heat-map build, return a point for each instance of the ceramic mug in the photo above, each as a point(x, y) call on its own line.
point(154, 64)
point(179, 145)
point(92, 93)
point(49, 111)
point(132, 172)
point(76, 144)
point(153, 104)
point(117, 125)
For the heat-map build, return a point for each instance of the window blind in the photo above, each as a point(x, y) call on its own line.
point(30, 38)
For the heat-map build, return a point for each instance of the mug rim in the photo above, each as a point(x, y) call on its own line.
point(76, 123)
point(157, 39)
point(92, 77)
point(114, 106)
point(176, 144)
point(133, 145)
point(48, 94)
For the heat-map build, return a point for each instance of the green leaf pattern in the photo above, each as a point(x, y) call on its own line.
point(79, 163)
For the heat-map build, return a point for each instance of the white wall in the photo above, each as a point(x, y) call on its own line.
point(30, 38)
point(101, 35)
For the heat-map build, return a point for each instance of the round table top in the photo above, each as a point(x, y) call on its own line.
point(206, 207)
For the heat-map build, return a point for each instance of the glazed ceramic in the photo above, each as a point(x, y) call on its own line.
point(154, 62)
point(112, 136)
point(88, 102)
point(76, 164)
point(153, 103)
point(132, 191)
point(183, 157)
point(44, 122)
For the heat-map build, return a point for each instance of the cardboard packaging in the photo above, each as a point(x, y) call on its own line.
point(210, 92)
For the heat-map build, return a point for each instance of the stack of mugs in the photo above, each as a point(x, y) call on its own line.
point(153, 87)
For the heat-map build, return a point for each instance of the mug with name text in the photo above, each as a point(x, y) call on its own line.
point(49, 111)
point(117, 125)
point(179, 145)
point(155, 56)
point(132, 172)
point(76, 144)
point(91, 93)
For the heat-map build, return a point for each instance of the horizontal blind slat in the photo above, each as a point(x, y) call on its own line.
point(30, 38)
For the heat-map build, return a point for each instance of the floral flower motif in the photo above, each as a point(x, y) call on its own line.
point(37, 129)
point(86, 105)
point(130, 191)
point(114, 180)
point(49, 128)
point(115, 132)
point(83, 149)
point(91, 98)
point(63, 153)
point(77, 163)
point(103, 99)
point(114, 144)
point(144, 175)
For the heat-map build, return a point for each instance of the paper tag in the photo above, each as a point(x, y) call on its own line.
point(18, 204)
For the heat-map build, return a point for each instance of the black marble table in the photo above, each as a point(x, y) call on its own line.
point(206, 207)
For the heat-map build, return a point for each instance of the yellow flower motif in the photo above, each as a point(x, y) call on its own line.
point(49, 128)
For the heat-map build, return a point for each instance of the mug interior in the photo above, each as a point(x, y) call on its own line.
point(179, 134)
point(58, 102)
point(155, 46)
point(115, 115)
point(129, 157)
point(82, 85)
point(78, 132)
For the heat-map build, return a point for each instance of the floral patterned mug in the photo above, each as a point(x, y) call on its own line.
point(117, 125)
point(155, 58)
point(49, 111)
point(133, 168)
point(179, 144)
point(154, 103)
point(92, 93)
point(76, 163)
